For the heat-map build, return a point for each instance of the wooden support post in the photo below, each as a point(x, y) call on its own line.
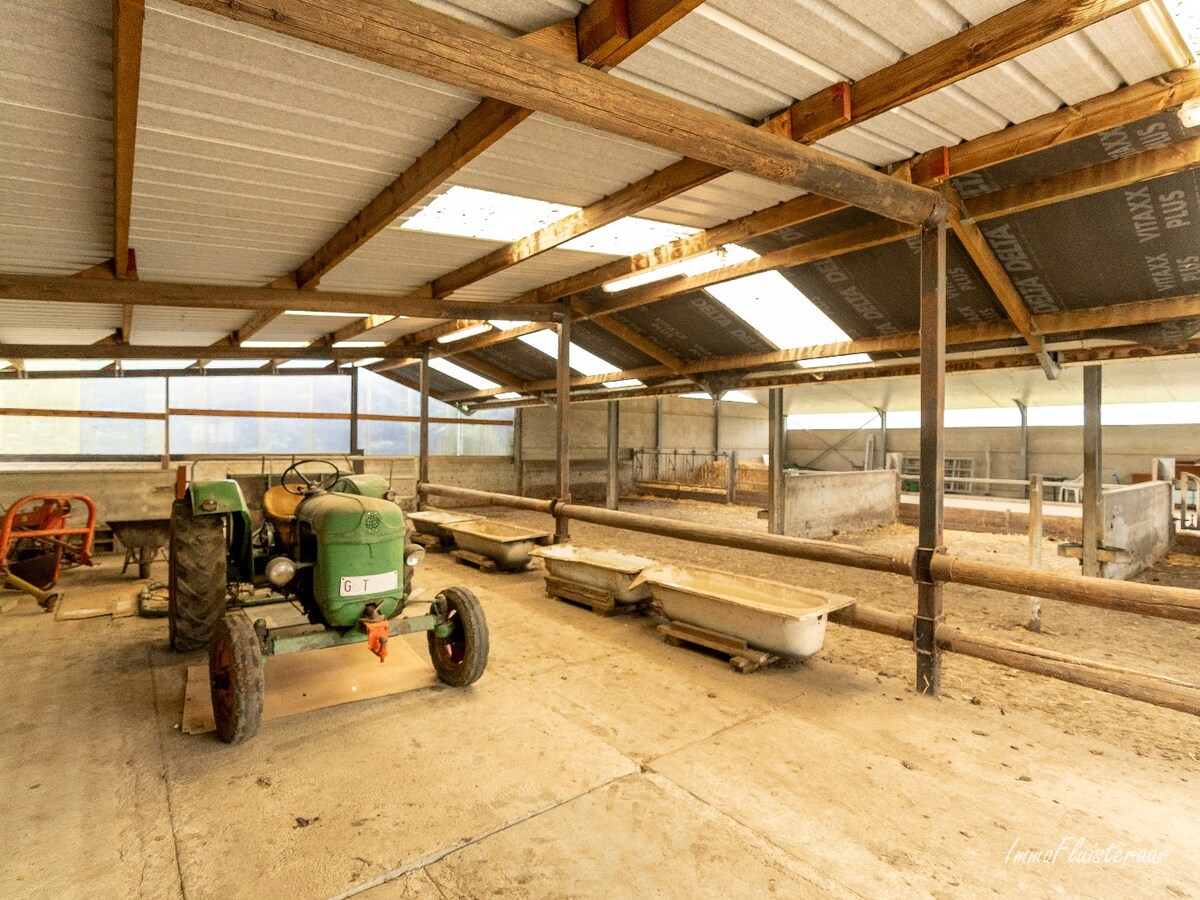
point(1035, 546)
point(933, 401)
point(423, 445)
point(518, 453)
point(731, 476)
point(1023, 449)
point(562, 406)
point(1092, 481)
point(776, 451)
point(614, 439)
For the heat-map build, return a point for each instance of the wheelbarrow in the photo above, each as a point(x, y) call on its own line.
point(144, 540)
point(37, 543)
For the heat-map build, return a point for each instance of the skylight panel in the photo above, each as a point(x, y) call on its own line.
point(66, 365)
point(236, 363)
point(628, 236)
point(580, 360)
point(507, 324)
point(305, 364)
point(275, 345)
point(360, 345)
point(470, 212)
point(1187, 19)
point(727, 397)
point(142, 365)
point(729, 255)
point(777, 310)
point(623, 383)
point(458, 373)
point(849, 359)
point(335, 315)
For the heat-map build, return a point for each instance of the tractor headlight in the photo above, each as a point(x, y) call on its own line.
point(413, 555)
point(280, 571)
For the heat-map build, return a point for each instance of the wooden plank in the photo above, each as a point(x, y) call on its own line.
point(1084, 320)
point(407, 36)
point(1007, 34)
point(646, 192)
point(821, 114)
point(56, 288)
point(127, 20)
point(601, 28)
point(1081, 120)
point(1105, 176)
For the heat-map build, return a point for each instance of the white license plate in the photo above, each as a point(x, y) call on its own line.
point(360, 585)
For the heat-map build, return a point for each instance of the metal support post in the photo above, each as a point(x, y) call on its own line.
point(933, 402)
point(776, 449)
point(731, 483)
point(1023, 449)
point(614, 440)
point(883, 436)
point(518, 453)
point(562, 408)
point(1092, 492)
point(355, 447)
point(166, 457)
point(658, 438)
point(716, 424)
point(423, 439)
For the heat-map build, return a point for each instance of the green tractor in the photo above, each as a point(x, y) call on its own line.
point(338, 546)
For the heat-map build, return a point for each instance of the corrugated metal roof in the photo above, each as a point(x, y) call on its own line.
point(26, 322)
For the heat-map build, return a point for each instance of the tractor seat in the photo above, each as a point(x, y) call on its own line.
point(279, 506)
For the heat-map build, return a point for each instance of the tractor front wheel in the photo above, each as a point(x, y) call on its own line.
point(196, 576)
point(235, 675)
point(459, 658)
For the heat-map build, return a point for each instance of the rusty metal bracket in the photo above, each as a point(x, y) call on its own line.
point(922, 564)
point(920, 628)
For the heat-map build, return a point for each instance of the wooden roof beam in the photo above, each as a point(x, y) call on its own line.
point(1002, 37)
point(1123, 315)
point(412, 38)
point(127, 21)
point(1105, 176)
point(57, 288)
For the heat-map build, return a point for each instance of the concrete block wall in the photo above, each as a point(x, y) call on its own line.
point(134, 493)
point(1137, 518)
point(822, 504)
point(1053, 450)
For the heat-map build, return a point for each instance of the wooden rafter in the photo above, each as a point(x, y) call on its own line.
point(410, 37)
point(128, 17)
point(57, 288)
point(1061, 323)
point(1002, 37)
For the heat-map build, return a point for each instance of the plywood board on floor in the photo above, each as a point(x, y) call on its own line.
point(303, 682)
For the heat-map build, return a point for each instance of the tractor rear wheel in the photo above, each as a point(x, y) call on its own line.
point(460, 658)
point(235, 677)
point(196, 579)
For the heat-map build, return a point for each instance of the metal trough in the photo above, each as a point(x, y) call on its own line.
point(767, 615)
point(433, 522)
point(605, 571)
point(508, 546)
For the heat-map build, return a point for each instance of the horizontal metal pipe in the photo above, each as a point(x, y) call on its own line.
point(1120, 596)
point(1115, 680)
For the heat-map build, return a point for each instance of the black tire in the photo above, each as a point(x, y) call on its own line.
point(460, 658)
point(235, 677)
point(196, 579)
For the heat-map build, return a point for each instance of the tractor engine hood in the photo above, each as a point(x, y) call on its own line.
point(350, 518)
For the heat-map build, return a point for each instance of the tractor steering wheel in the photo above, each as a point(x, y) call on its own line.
point(302, 484)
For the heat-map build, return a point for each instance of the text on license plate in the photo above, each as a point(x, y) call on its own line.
point(360, 585)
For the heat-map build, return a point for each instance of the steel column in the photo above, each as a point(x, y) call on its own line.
point(883, 436)
point(166, 457)
point(562, 406)
point(355, 449)
point(716, 423)
point(1023, 449)
point(933, 403)
point(1036, 491)
point(1092, 492)
point(518, 453)
point(776, 450)
point(614, 472)
point(423, 445)
point(658, 437)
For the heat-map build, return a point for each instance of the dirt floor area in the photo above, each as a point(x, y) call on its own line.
point(593, 760)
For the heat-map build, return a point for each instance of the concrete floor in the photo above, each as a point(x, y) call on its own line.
point(591, 760)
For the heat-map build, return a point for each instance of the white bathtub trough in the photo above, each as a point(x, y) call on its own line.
point(434, 521)
point(604, 571)
point(767, 615)
point(508, 546)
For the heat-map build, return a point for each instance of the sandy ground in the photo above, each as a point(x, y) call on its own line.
point(592, 760)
